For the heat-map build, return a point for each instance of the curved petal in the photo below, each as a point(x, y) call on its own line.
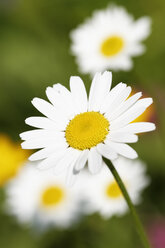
point(71, 155)
point(40, 122)
point(79, 94)
point(80, 163)
point(131, 114)
point(44, 107)
point(46, 152)
point(106, 151)
point(94, 161)
point(123, 149)
point(99, 89)
point(111, 96)
point(41, 143)
point(138, 127)
point(51, 160)
point(126, 105)
point(118, 101)
point(122, 137)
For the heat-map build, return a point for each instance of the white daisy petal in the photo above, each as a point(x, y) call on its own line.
point(118, 101)
point(48, 110)
point(40, 122)
point(43, 142)
point(44, 107)
point(141, 29)
point(99, 89)
point(37, 134)
point(63, 100)
point(131, 114)
point(138, 127)
point(51, 95)
point(112, 95)
point(71, 155)
point(122, 137)
point(79, 94)
point(123, 149)
point(94, 161)
point(80, 163)
point(71, 177)
point(52, 160)
point(106, 151)
point(45, 152)
point(126, 105)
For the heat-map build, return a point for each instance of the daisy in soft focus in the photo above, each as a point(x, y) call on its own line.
point(12, 157)
point(78, 129)
point(103, 194)
point(41, 199)
point(108, 40)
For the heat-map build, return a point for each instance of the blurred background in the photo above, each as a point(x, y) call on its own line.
point(35, 53)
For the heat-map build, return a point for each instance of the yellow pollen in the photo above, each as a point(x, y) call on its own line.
point(86, 130)
point(112, 46)
point(52, 196)
point(113, 190)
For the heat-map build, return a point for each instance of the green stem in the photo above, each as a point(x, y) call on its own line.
point(137, 221)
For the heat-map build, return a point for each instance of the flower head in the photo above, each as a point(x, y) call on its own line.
point(11, 159)
point(77, 129)
point(108, 40)
point(104, 195)
point(41, 198)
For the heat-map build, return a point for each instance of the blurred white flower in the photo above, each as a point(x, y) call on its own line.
point(108, 40)
point(77, 129)
point(103, 194)
point(42, 199)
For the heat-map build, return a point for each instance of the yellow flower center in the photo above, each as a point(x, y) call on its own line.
point(113, 190)
point(52, 196)
point(86, 130)
point(12, 157)
point(112, 46)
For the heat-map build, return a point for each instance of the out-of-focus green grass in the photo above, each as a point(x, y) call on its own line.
point(34, 53)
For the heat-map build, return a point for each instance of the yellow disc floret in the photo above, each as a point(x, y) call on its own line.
point(112, 46)
point(12, 157)
point(113, 190)
point(86, 130)
point(52, 196)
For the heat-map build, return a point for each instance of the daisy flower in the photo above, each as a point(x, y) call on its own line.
point(108, 40)
point(42, 199)
point(11, 159)
point(103, 194)
point(77, 129)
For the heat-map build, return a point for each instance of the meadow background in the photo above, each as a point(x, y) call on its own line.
point(35, 53)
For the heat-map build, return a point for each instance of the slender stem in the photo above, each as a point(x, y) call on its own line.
point(137, 221)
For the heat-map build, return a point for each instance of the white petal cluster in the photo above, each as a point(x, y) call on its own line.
point(114, 104)
point(113, 21)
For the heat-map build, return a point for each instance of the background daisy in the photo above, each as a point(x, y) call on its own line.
point(108, 40)
point(42, 199)
point(103, 194)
